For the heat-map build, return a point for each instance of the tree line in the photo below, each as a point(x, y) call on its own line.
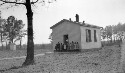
point(113, 33)
point(11, 30)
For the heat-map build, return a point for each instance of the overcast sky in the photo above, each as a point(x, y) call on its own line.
point(97, 12)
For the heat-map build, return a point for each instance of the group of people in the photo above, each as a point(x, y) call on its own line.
point(67, 46)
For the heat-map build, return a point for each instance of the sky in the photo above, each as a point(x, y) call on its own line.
point(97, 12)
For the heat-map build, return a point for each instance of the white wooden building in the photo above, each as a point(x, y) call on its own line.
point(88, 36)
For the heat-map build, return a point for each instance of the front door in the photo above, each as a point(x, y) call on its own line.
point(66, 41)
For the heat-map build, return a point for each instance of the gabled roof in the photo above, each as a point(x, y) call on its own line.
point(78, 23)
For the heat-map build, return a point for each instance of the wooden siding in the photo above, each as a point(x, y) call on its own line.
point(71, 29)
point(92, 44)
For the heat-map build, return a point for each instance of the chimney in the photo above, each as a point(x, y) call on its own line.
point(83, 22)
point(77, 18)
point(70, 19)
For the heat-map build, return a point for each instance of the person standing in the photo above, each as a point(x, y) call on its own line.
point(61, 46)
point(58, 46)
point(65, 47)
point(72, 46)
point(77, 45)
point(69, 46)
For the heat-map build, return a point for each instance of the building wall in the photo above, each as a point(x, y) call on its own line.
point(92, 44)
point(73, 31)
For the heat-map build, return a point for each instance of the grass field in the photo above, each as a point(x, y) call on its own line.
point(106, 60)
point(18, 53)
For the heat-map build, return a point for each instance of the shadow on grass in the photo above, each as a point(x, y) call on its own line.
point(17, 67)
point(14, 67)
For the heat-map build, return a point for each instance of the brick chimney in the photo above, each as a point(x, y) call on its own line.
point(70, 19)
point(83, 22)
point(77, 18)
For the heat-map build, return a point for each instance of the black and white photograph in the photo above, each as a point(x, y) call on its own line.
point(62, 36)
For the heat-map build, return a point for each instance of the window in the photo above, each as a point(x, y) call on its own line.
point(88, 35)
point(95, 38)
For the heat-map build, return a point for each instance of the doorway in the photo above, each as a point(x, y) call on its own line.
point(65, 41)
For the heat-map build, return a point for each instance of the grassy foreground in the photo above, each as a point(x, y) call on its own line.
point(106, 60)
point(18, 53)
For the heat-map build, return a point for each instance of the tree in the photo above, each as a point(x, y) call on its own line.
point(118, 30)
point(115, 30)
point(21, 34)
point(103, 34)
point(2, 22)
point(13, 29)
point(30, 43)
point(10, 29)
point(109, 32)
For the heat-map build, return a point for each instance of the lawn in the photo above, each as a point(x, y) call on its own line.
point(18, 53)
point(106, 60)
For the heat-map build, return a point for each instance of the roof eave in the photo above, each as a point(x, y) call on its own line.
point(75, 23)
point(57, 23)
point(92, 26)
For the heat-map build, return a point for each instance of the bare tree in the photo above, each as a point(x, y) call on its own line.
point(30, 43)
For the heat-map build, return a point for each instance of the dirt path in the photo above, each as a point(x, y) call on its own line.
point(24, 56)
